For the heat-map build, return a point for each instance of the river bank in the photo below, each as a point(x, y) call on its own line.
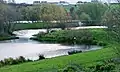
point(31, 48)
point(76, 36)
point(3, 38)
point(86, 59)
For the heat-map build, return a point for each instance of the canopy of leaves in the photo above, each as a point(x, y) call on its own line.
point(8, 14)
point(112, 20)
point(50, 12)
point(94, 10)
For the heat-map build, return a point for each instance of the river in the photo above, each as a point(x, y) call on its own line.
point(31, 49)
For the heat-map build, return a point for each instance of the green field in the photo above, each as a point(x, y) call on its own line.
point(85, 59)
point(51, 65)
point(40, 25)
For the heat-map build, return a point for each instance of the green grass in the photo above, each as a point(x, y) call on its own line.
point(87, 36)
point(7, 37)
point(42, 25)
point(50, 65)
point(39, 25)
point(86, 59)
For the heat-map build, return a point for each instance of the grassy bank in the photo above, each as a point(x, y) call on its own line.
point(7, 37)
point(42, 25)
point(86, 59)
point(87, 36)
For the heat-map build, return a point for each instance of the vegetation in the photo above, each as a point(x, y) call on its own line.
point(74, 37)
point(86, 59)
point(11, 61)
point(7, 37)
point(112, 20)
point(19, 60)
point(107, 67)
point(74, 52)
point(8, 15)
point(41, 25)
point(41, 57)
point(89, 13)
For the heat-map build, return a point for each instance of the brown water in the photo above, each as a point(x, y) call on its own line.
point(31, 49)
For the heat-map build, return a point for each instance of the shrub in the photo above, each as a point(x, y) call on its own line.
point(21, 59)
point(101, 43)
point(6, 61)
point(74, 52)
point(103, 67)
point(28, 60)
point(72, 68)
point(41, 57)
point(2, 63)
point(69, 37)
point(11, 61)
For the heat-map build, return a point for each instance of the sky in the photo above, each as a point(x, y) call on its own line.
point(70, 1)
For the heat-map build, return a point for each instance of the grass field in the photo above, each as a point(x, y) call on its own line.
point(51, 65)
point(39, 25)
point(42, 25)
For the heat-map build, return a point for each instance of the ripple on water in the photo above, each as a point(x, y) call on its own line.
point(31, 49)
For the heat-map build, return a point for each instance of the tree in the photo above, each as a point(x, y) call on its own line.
point(8, 16)
point(85, 18)
point(73, 13)
point(94, 10)
point(30, 13)
point(50, 12)
point(112, 19)
point(2, 11)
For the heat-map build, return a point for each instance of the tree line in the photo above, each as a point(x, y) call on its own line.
point(88, 13)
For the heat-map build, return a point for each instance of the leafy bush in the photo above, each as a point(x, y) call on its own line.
point(21, 59)
point(2, 63)
point(74, 52)
point(72, 68)
point(69, 37)
point(103, 67)
point(11, 61)
point(41, 57)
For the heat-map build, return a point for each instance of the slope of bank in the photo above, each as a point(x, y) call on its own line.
point(86, 59)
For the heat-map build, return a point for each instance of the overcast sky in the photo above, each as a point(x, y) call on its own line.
point(31, 1)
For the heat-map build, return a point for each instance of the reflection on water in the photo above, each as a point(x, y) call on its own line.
point(31, 49)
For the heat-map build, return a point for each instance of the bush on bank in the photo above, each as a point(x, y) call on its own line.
point(70, 37)
point(7, 37)
point(19, 60)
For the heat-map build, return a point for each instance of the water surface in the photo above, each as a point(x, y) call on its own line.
point(31, 49)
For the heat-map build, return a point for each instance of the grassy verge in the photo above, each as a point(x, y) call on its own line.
point(42, 25)
point(23, 26)
point(7, 37)
point(52, 65)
